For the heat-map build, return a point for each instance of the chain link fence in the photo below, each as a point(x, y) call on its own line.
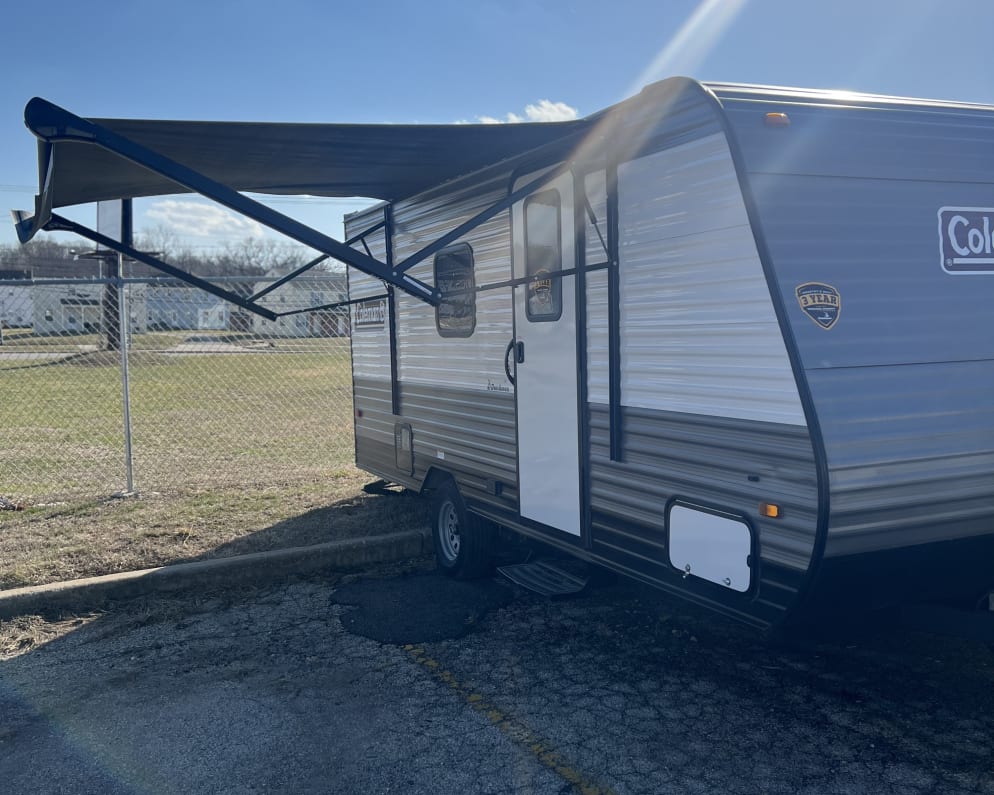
point(201, 393)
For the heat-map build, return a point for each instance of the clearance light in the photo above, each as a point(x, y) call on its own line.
point(777, 120)
point(770, 510)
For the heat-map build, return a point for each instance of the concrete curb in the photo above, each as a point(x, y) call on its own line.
point(255, 568)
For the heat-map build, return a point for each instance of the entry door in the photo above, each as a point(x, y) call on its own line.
point(546, 368)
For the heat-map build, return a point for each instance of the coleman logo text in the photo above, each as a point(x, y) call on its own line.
point(371, 314)
point(966, 239)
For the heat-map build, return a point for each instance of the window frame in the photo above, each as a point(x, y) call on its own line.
point(448, 251)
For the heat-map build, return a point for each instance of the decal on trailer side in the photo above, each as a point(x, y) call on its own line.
point(966, 239)
point(371, 314)
point(820, 302)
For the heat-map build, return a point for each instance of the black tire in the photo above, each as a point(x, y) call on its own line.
point(464, 543)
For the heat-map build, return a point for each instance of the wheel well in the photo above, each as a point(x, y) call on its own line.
point(435, 478)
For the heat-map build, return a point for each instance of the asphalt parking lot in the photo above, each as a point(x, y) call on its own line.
point(403, 681)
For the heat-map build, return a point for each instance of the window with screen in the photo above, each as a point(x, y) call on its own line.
point(543, 257)
point(455, 315)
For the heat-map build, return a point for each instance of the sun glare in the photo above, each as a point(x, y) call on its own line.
point(692, 43)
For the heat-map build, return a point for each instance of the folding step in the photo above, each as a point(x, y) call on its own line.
point(543, 578)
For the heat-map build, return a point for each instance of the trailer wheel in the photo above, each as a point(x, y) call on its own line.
point(463, 542)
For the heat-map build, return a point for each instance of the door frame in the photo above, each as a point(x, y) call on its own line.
point(572, 316)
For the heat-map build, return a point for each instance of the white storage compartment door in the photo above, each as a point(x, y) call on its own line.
point(710, 546)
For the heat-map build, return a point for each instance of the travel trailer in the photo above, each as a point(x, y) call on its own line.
point(732, 341)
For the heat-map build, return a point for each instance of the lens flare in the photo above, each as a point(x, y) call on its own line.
point(685, 52)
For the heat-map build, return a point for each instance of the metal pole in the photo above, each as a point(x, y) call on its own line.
point(123, 326)
point(124, 329)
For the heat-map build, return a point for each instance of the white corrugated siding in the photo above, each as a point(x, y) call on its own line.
point(370, 346)
point(597, 293)
point(698, 329)
point(425, 357)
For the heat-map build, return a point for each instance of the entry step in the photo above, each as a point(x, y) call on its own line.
point(544, 578)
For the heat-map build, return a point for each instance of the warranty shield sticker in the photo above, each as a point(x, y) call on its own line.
point(821, 302)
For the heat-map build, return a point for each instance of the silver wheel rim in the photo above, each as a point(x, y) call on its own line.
point(448, 530)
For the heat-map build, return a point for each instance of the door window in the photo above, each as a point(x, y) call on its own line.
point(543, 257)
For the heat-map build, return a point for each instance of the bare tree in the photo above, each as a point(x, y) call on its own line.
point(45, 258)
point(259, 256)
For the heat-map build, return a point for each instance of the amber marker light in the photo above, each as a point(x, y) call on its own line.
point(777, 120)
point(770, 510)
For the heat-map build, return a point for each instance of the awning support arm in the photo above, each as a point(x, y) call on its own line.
point(336, 305)
point(292, 275)
point(59, 224)
point(316, 261)
point(482, 217)
point(53, 124)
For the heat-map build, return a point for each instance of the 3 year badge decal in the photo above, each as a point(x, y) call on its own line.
point(821, 302)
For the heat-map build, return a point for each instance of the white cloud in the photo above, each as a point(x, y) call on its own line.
point(543, 110)
point(195, 219)
point(546, 110)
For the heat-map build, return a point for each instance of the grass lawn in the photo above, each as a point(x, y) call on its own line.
point(233, 452)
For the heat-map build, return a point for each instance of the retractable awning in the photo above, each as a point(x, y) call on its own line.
point(88, 160)
point(379, 161)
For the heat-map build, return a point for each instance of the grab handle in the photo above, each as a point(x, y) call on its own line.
point(507, 361)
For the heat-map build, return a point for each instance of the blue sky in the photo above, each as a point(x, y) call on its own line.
point(439, 62)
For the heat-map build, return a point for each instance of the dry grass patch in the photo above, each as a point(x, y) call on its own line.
point(52, 544)
point(24, 633)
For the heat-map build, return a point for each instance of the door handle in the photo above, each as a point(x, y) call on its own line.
point(519, 355)
point(507, 361)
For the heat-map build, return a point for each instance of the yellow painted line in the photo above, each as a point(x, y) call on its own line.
point(510, 727)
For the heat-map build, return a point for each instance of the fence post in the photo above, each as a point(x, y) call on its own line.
point(124, 334)
point(123, 325)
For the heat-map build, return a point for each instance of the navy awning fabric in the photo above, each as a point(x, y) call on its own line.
point(381, 161)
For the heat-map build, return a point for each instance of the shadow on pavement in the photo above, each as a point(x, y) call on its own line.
point(419, 608)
